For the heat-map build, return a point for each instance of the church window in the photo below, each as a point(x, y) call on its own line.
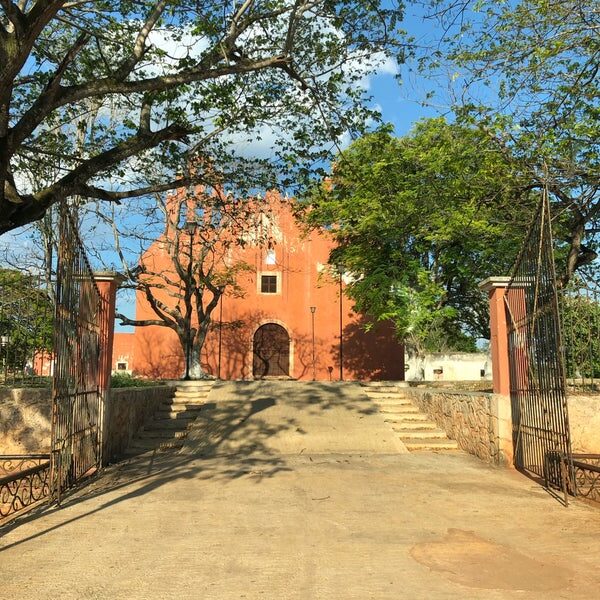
point(268, 284)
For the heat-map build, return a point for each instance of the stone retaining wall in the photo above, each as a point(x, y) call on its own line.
point(25, 418)
point(478, 421)
point(584, 419)
point(128, 410)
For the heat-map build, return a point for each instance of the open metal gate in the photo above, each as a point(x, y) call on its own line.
point(76, 399)
point(542, 445)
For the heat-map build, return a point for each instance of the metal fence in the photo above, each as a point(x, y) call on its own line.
point(580, 308)
point(541, 436)
point(76, 399)
point(24, 483)
point(53, 336)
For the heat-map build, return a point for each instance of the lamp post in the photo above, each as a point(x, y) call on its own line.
point(220, 332)
point(339, 267)
point(190, 227)
point(313, 309)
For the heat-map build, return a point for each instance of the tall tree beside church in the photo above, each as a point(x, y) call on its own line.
point(167, 80)
point(419, 221)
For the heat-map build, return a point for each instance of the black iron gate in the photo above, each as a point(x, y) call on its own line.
point(76, 399)
point(542, 445)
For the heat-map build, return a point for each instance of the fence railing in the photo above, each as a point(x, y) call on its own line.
point(24, 484)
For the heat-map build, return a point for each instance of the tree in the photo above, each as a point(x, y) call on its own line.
point(103, 93)
point(528, 74)
point(183, 274)
point(26, 319)
point(419, 221)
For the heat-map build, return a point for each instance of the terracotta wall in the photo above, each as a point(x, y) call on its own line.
point(304, 280)
point(123, 345)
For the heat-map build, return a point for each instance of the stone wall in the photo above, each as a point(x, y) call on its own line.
point(476, 420)
point(25, 418)
point(128, 410)
point(584, 418)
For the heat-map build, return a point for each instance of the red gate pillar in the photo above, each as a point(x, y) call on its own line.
point(496, 288)
point(108, 283)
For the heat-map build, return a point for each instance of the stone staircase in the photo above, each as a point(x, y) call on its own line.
point(414, 428)
point(170, 424)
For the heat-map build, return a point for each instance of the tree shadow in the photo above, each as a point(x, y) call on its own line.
point(157, 354)
point(375, 354)
point(229, 439)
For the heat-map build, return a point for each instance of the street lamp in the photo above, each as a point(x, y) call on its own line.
point(222, 289)
point(339, 267)
point(190, 227)
point(313, 309)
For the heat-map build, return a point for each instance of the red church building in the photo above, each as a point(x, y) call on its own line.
point(289, 321)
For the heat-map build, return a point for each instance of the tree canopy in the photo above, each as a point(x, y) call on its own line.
point(419, 221)
point(528, 74)
point(112, 100)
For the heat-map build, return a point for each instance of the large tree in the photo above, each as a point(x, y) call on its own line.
point(419, 221)
point(101, 93)
point(528, 74)
point(184, 271)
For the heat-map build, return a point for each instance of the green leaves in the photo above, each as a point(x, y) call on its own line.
point(224, 74)
point(419, 221)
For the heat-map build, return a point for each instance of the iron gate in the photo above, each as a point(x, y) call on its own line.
point(541, 438)
point(76, 399)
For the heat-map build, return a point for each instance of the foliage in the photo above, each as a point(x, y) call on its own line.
point(112, 100)
point(26, 318)
point(529, 73)
point(580, 308)
point(419, 221)
point(125, 380)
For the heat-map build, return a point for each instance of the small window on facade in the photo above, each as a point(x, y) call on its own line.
point(268, 284)
point(121, 366)
point(482, 372)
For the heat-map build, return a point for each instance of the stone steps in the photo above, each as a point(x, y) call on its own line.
point(171, 422)
point(414, 428)
point(404, 425)
point(419, 444)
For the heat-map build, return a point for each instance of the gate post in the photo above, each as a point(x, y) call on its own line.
point(496, 288)
point(107, 282)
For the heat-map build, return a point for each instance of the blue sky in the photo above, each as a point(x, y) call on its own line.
point(401, 100)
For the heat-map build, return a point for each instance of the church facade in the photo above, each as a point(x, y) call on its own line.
point(290, 319)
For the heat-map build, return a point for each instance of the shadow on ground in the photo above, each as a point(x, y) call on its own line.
point(246, 429)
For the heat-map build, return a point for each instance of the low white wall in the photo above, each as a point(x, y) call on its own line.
point(452, 366)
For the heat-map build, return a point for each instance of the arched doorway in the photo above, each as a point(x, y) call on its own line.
point(271, 348)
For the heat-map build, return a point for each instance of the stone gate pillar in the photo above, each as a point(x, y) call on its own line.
point(108, 283)
point(496, 288)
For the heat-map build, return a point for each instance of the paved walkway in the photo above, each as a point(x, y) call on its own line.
point(283, 520)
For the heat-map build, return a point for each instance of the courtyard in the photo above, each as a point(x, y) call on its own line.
point(303, 498)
